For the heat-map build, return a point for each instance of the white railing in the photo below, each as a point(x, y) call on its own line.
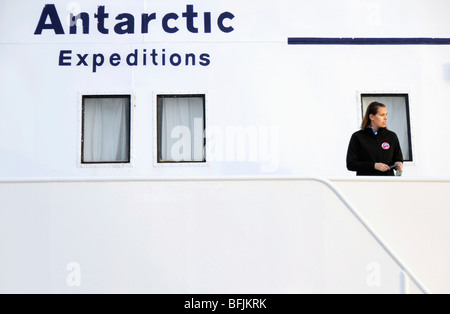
point(406, 273)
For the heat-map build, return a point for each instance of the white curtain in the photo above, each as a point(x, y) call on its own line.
point(106, 129)
point(397, 118)
point(182, 129)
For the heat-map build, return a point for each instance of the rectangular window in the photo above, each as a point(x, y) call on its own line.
point(106, 129)
point(181, 128)
point(398, 117)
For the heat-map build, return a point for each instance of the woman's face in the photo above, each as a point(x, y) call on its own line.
point(380, 119)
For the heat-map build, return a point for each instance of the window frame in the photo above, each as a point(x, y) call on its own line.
point(158, 162)
point(407, 97)
point(129, 161)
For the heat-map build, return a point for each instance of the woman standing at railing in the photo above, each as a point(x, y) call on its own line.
point(374, 150)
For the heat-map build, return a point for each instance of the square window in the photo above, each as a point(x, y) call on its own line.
point(106, 129)
point(181, 128)
point(398, 117)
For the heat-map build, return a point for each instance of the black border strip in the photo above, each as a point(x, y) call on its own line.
point(366, 41)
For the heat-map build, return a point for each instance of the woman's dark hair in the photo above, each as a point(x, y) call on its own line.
point(372, 109)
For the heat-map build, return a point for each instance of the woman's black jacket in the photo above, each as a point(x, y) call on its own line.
point(365, 149)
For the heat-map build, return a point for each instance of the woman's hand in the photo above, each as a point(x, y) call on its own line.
point(399, 166)
point(382, 167)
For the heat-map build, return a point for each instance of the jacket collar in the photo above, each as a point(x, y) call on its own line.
point(369, 130)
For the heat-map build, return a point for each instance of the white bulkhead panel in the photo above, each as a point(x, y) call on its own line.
point(271, 107)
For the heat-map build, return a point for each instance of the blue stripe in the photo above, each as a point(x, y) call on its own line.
point(367, 41)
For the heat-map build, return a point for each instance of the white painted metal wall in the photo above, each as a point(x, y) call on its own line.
point(300, 100)
point(199, 236)
point(413, 217)
point(202, 236)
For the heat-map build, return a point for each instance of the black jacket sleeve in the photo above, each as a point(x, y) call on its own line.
point(354, 162)
point(398, 155)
